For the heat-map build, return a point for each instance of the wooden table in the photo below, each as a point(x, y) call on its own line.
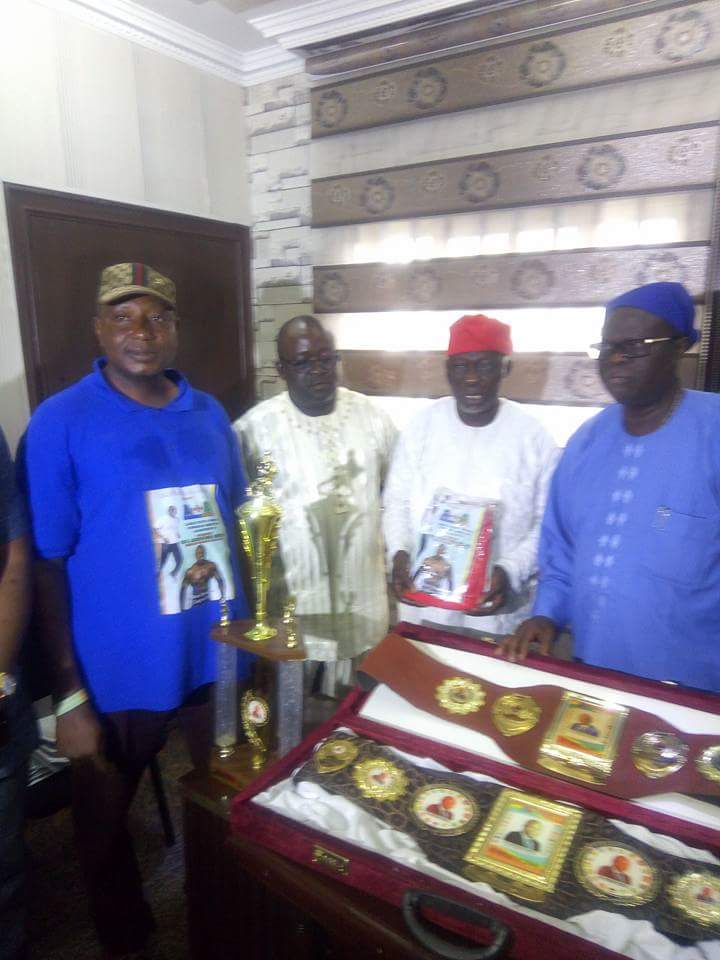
point(247, 903)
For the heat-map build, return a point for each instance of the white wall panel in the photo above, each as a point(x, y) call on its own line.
point(31, 137)
point(172, 132)
point(97, 92)
point(223, 106)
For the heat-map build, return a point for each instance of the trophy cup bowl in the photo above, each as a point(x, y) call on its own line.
point(258, 519)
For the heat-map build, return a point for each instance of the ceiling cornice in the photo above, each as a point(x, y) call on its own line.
point(142, 26)
point(323, 20)
point(270, 63)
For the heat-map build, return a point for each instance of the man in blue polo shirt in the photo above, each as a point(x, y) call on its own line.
point(17, 728)
point(108, 461)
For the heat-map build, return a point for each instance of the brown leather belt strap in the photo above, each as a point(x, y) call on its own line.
point(415, 676)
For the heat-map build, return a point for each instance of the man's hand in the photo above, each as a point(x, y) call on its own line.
point(496, 597)
point(400, 577)
point(537, 630)
point(79, 734)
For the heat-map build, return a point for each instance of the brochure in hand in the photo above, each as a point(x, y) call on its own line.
point(452, 564)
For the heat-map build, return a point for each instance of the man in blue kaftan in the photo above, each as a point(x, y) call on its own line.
point(630, 543)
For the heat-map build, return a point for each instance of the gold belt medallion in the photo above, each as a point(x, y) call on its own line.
point(515, 713)
point(380, 779)
point(460, 695)
point(618, 873)
point(444, 809)
point(708, 763)
point(334, 755)
point(658, 754)
point(697, 895)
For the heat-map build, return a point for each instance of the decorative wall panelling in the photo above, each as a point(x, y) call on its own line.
point(558, 278)
point(689, 97)
point(646, 162)
point(498, 198)
point(484, 27)
point(671, 39)
point(556, 378)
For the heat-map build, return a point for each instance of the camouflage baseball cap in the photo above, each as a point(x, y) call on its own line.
point(125, 279)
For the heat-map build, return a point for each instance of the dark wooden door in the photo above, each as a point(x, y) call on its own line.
point(60, 242)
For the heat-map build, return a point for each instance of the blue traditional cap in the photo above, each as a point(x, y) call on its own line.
point(669, 301)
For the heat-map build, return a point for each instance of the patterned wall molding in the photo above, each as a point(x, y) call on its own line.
point(560, 278)
point(559, 378)
point(495, 22)
point(646, 162)
point(685, 36)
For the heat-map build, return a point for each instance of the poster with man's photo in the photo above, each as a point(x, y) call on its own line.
point(192, 560)
point(452, 562)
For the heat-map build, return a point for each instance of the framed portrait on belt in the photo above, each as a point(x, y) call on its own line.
point(525, 841)
point(582, 739)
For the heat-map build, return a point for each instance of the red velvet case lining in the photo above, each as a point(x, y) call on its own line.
point(379, 876)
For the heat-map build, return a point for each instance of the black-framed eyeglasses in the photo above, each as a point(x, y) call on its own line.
point(628, 349)
point(325, 360)
point(483, 366)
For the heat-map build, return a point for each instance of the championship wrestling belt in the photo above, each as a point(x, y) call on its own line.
point(621, 751)
point(571, 862)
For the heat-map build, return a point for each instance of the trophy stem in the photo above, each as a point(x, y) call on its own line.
point(261, 630)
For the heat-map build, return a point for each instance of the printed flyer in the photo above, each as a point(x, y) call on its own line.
point(192, 560)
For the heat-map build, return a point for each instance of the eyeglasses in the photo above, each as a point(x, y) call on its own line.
point(483, 367)
point(326, 361)
point(627, 349)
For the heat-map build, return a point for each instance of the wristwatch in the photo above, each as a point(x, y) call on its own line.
point(8, 684)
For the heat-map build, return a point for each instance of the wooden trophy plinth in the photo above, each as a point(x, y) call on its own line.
point(275, 649)
point(272, 711)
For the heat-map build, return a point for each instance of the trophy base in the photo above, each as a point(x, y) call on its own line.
point(238, 769)
point(278, 646)
point(260, 632)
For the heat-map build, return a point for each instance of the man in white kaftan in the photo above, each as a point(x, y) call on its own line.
point(475, 445)
point(332, 449)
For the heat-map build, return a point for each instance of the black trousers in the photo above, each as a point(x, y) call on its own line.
point(171, 550)
point(12, 865)
point(102, 794)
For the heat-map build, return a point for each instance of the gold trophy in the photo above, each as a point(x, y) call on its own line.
point(271, 712)
point(258, 518)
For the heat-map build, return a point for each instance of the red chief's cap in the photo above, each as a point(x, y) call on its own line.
point(473, 333)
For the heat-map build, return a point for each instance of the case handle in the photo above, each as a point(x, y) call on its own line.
point(415, 900)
